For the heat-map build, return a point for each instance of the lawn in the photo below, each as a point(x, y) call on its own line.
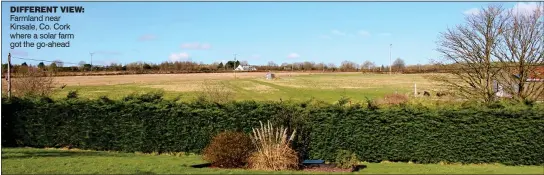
point(56, 161)
point(327, 87)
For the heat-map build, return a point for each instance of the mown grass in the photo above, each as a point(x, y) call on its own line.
point(55, 161)
point(324, 87)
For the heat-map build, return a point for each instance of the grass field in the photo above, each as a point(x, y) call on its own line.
point(48, 161)
point(249, 86)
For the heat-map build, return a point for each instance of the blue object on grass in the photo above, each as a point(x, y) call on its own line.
point(313, 162)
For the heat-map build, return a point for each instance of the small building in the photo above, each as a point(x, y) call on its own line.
point(500, 91)
point(270, 76)
point(245, 68)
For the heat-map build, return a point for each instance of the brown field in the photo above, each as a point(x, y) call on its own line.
point(248, 85)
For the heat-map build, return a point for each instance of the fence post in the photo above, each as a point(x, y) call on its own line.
point(9, 75)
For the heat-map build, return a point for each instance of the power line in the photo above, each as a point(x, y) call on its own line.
point(44, 60)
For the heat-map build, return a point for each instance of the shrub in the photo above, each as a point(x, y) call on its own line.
point(273, 151)
point(32, 82)
point(229, 150)
point(72, 94)
point(346, 159)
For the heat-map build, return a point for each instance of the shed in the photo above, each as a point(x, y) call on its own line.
point(270, 76)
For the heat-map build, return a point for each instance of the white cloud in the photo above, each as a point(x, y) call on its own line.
point(363, 33)
point(472, 11)
point(338, 33)
point(147, 37)
point(178, 56)
point(196, 46)
point(525, 8)
point(293, 55)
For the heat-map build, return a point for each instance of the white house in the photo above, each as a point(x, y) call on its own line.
point(245, 68)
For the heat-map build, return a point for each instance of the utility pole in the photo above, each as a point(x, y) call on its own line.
point(390, 64)
point(91, 60)
point(234, 70)
point(9, 75)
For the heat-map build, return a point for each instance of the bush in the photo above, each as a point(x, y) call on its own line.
point(229, 150)
point(471, 133)
point(72, 94)
point(346, 159)
point(273, 151)
point(32, 82)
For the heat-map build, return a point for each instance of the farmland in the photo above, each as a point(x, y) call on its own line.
point(328, 87)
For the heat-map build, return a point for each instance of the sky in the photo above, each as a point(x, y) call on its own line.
point(258, 32)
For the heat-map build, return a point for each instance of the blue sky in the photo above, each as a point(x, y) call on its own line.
point(330, 32)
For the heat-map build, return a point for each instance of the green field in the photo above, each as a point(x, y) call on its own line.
point(327, 87)
point(49, 161)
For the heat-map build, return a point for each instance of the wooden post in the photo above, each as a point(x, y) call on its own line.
point(9, 75)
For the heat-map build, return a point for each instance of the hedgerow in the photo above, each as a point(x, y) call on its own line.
point(505, 134)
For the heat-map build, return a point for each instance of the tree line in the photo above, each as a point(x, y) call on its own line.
point(56, 67)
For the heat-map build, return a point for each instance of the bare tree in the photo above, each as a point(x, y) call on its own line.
point(331, 66)
point(244, 63)
point(348, 66)
point(308, 65)
point(399, 64)
point(272, 64)
point(33, 82)
point(368, 65)
point(469, 48)
point(520, 52)
point(59, 63)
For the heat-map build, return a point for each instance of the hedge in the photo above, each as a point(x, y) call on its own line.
point(473, 134)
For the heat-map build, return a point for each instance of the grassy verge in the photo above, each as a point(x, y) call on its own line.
point(42, 161)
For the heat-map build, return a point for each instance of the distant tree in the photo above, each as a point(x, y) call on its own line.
point(368, 65)
point(87, 66)
point(348, 66)
point(220, 66)
point(320, 66)
point(399, 64)
point(272, 64)
point(331, 66)
point(53, 67)
point(236, 64)
point(244, 63)
point(24, 64)
point(41, 65)
point(230, 65)
point(59, 63)
point(308, 65)
point(146, 66)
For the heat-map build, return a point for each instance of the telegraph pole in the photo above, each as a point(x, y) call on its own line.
point(390, 64)
point(91, 60)
point(9, 75)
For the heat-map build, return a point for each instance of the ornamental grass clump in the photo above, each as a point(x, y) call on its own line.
point(272, 149)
